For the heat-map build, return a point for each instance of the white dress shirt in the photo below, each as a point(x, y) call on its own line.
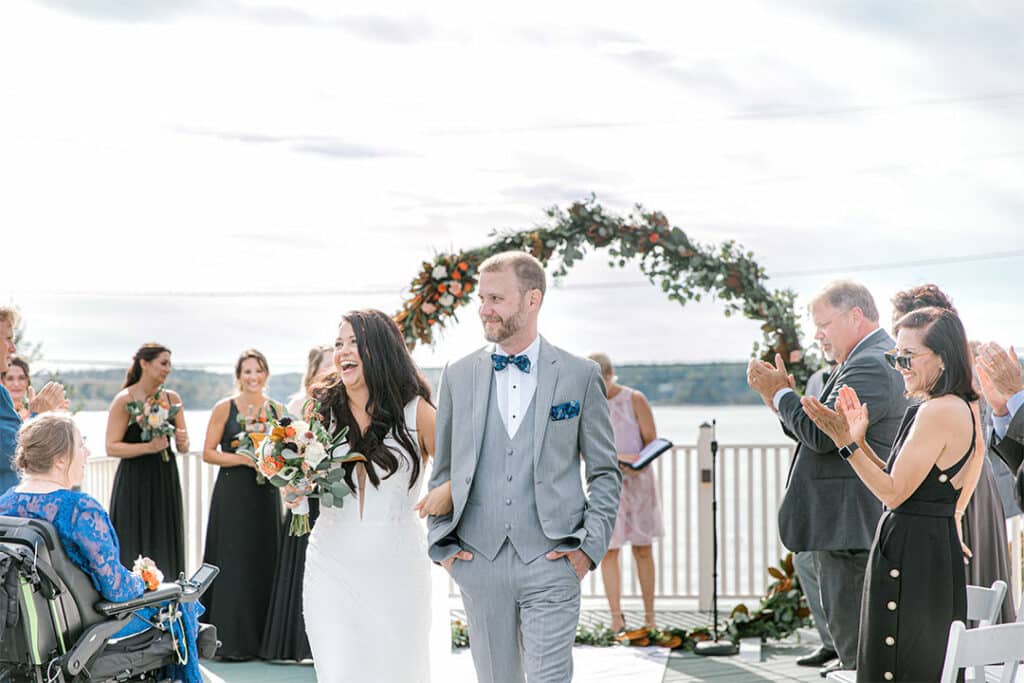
point(516, 388)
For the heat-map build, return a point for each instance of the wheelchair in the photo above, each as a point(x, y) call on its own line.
point(55, 627)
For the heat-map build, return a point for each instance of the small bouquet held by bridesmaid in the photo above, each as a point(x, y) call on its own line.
point(155, 416)
point(302, 456)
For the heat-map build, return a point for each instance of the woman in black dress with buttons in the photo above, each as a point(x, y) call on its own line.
point(243, 531)
point(145, 502)
point(915, 585)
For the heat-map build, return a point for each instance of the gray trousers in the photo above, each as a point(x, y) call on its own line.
point(808, 575)
point(841, 581)
point(522, 617)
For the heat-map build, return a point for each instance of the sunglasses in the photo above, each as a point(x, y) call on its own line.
point(895, 359)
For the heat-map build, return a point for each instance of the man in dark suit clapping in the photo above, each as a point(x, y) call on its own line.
point(826, 509)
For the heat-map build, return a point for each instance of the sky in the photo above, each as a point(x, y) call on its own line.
point(223, 174)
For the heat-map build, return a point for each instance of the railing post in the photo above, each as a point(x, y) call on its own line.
point(705, 523)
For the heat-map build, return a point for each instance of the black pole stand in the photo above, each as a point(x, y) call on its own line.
point(716, 647)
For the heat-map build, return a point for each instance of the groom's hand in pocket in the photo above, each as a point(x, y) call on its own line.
point(577, 558)
point(463, 555)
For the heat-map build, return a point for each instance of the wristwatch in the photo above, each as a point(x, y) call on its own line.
point(846, 451)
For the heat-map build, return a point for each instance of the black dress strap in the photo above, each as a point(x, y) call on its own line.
point(955, 468)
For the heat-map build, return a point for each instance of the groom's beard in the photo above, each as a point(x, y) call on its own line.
point(507, 328)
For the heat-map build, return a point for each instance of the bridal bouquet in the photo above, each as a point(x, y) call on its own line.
point(155, 416)
point(302, 456)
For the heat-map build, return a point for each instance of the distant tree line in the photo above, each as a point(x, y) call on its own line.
point(669, 384)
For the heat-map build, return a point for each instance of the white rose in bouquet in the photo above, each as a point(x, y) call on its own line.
point(315, 454)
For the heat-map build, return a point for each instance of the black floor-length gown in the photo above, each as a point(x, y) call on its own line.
point(242, 538)
point(145, 508)
point(915, 585)
point(984, 527)
point(284, 636)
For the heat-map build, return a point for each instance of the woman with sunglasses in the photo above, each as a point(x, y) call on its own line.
point(982, 521)
point(915, 584)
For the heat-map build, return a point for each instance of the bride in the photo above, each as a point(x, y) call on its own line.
point(367, 587)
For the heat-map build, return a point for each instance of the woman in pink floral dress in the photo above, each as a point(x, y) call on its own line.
point(639, 520)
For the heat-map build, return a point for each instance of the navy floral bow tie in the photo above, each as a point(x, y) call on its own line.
point(501, 361)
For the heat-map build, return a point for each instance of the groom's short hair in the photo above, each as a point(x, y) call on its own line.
point(528, 269)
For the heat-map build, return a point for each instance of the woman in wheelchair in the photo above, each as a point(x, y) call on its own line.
point(50, 458)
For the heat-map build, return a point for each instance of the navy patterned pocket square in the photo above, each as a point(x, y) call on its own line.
point(565, 411)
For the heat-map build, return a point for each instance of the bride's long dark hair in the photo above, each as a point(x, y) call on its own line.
point(392, 379)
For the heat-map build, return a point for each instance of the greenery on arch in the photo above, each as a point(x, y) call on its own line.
point(683, 269)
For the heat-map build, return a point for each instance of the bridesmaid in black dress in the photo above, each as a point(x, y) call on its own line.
point(243, 530)
point(145, 503)
point(284, 636)
point(915, 585)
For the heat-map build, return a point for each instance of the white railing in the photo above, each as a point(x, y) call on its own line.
point(750, 483)
point(197, 479)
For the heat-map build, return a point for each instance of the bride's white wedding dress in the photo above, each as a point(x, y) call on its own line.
point(367, 588)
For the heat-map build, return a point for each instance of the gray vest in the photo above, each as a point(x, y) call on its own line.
point(501, 502)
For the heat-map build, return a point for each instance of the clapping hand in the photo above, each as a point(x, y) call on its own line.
point(50, 397)
point(999, 374)
point(845, 425)
point(767, 379)
point(438, 501)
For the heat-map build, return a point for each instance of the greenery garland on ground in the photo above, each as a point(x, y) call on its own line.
point(683, 269)
point(782, 611)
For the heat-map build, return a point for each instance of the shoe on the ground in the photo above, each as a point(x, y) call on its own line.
point(820, 657)
point(834, 666)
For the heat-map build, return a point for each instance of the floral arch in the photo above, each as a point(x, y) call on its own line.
point(684, 270)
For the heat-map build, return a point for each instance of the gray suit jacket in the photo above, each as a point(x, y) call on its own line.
point(826, 506)
point(1011, 449)
point(564, 509)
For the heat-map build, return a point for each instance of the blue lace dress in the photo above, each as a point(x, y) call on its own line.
point(89, 540)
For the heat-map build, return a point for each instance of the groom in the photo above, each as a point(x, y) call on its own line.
point(513, 420)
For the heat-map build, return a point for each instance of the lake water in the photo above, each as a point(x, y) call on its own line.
point(736, 425)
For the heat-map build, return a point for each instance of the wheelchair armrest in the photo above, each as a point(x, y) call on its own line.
point(166, 591)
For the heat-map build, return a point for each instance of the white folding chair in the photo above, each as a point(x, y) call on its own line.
point(993, 675)
point(984, 605)
point(977, 647)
